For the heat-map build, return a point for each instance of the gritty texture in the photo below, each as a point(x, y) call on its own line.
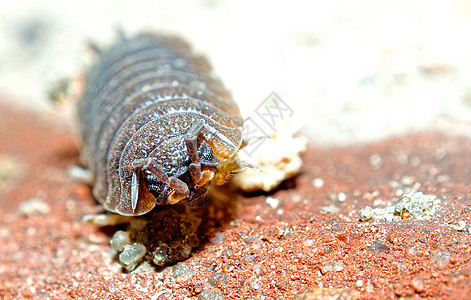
point(250, 248)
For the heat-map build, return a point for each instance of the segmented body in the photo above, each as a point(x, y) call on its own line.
point(141, 98)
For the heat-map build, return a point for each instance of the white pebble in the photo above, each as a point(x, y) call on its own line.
point(318, 183)
point(359, 283)
point(33, 207)
point(273, 202)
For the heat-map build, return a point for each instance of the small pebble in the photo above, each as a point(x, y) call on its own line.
point(273, 202)
point(10, 171)
point(380, 246)
point(411, 252)
point(331, 266)
point(366, 214)
point(182, 271)
point(443, 178)
point(81, 174)
point(119, 240)
point(441, 259)
point(318, 183)
point(399, 265)
point(132, 254)
point(376, 161)
point(33, 207)
point(218, 278)
point(253, 282)
point(210, 294)
point(359, 283)
point(408, 180)
point(341, 197)
point(417, 284)
point(144, 268)
point(218, 238)
point(308, 242)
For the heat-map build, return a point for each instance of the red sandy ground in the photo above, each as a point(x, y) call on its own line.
point(269, 253)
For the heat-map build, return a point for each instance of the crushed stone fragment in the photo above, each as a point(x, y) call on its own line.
point(441, 259)
point(119, 240)
point(132, 255)
point(414, 251)
point(176, 251)
point(366, 214)
point(412, 204)
point(416, 204)
point(359, 283)
point(460, 227)
point(273, 202)
point(144, 268)
point(331, 266)
point(253, 282)
point(182, 271)
point(218, 278)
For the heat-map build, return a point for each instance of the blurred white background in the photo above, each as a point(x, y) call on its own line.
point(350, 70)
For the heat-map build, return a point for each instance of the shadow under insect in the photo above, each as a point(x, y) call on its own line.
point(170, 234)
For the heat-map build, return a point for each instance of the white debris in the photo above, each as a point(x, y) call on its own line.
point(366, 213)
point(81, 174)
point(412, 204)
point(318, 183)
point(277, 158)
point(33, 207)
point(273, 202)
point(331, 209)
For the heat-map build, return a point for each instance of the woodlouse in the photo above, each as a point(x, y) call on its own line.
point(157, 127)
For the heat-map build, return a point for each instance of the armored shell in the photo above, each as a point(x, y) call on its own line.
point(156, 125)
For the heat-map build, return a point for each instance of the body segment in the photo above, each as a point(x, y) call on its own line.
point(156, 125)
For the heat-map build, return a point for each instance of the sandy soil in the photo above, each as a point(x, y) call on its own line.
point(253, 247)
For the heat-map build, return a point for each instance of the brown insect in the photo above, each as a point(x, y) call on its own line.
point(156, 126)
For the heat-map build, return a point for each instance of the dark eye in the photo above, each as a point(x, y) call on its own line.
point(207, 156)
point(158, 189)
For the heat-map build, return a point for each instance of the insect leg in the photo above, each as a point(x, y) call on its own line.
point(180, 189)
point(148, 164)
point(200, 177)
